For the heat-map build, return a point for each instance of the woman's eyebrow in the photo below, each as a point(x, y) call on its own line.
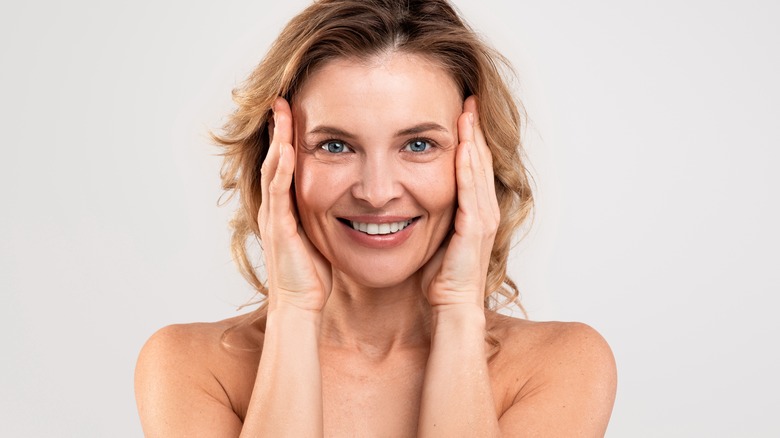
point(422, 127)
point(330, 130)
point(413, 130)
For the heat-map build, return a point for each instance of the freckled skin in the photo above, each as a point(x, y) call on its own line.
point(372, 101)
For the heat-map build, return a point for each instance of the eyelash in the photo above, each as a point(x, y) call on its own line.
point(431, 144)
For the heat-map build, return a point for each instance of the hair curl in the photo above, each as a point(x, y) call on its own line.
point(332, 29)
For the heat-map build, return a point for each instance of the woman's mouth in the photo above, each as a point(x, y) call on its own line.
point(383, 228)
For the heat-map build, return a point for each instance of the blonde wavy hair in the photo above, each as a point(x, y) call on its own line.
point(360, 29)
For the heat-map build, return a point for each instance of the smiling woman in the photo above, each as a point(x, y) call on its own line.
point(384, 163)
point(376, 154)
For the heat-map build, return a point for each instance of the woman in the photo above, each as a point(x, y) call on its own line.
point(375, 151)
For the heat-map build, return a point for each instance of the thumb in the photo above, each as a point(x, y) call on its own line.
point(433, 267)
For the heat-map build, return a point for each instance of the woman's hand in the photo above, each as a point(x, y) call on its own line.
point(456, 274)
point(298, 274)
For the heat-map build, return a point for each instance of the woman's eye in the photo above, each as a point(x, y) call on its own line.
point(335, 147)
point(418, 146)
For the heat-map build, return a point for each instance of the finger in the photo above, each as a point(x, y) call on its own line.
point(267, 173)
point(468, 204)
point(470, 105)
point(281, 132)
point(321, 264)
point(483, 210)
point(283, 129)
point(470, 108)
point(486, 157)
point(279, 201)
point(434, 265)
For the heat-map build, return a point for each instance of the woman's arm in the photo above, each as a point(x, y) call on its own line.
point(287, 394)
point(457, 398)
point(178, 395)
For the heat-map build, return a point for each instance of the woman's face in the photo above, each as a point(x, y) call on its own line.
point(375, 173)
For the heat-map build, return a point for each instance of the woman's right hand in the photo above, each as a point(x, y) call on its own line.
point(298, 274)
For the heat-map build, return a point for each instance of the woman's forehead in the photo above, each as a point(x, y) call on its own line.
point(399, 88)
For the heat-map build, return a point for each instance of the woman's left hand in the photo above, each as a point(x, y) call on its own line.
point(456, 274)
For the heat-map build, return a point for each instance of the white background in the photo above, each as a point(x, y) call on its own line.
point(654, 141)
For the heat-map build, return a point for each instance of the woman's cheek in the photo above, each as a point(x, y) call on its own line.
point(440, 174)
point(433, 185)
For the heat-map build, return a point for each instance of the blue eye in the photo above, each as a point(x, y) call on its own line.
point(335, 147)
point(418, 146)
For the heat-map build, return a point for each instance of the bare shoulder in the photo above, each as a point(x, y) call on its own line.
point(560, 376)
point(182, 347)
point(550, 339)
point(180, 382)
point(182, 340)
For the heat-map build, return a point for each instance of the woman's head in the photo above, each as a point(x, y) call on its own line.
point(367, 30)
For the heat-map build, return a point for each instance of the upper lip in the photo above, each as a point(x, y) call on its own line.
point(372, 219)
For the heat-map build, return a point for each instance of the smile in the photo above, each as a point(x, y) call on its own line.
point(383, 228)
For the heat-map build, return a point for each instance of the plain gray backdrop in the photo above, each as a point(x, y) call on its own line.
point(653, 135)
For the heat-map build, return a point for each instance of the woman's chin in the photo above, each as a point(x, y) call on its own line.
point(368, 277)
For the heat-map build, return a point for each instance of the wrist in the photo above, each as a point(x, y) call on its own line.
point(299, 302)
point(459, 332)
point(466, 316)
point(459, 310)
point(285, 313)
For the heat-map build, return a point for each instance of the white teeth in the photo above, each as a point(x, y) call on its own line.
point(383, 228)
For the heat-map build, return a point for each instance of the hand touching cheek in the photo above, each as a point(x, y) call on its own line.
point(298, 275)
point(456, 275)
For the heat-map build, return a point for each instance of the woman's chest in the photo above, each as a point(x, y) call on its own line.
point(371, 402)
point(361, 399)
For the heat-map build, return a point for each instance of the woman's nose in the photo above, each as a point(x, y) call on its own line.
point(377, 184)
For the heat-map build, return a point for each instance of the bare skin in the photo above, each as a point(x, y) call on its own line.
point(558, 379)
point(369, 335)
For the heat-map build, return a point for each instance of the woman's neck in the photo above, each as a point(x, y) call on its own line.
point(375, 321)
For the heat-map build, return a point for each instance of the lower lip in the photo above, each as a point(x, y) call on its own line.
point(379, 241)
